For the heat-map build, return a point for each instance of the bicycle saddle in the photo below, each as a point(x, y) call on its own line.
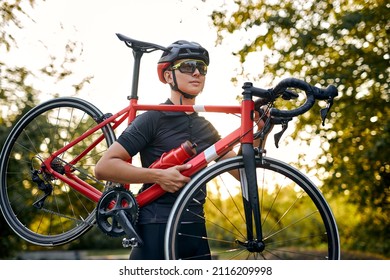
point(139, 45)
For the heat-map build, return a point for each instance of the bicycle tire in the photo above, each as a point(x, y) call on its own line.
point(65, 214)
point(297, 221)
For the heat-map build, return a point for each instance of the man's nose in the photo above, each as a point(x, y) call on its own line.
point(196, 72)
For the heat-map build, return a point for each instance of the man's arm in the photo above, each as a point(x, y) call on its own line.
point(114, 166)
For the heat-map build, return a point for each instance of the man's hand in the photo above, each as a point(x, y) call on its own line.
point(171, 180)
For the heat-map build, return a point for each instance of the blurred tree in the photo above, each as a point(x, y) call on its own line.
point(18, 93)
point(345, 43)
point(15, 94)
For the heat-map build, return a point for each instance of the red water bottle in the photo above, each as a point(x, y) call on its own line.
point(175, 156)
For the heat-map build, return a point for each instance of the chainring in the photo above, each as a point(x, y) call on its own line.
point(112, 201)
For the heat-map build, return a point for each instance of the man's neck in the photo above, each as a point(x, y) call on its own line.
point(179, 99)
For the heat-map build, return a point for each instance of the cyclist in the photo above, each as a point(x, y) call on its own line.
point(184, 68)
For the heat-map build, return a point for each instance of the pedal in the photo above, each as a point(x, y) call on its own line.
point(133, 240)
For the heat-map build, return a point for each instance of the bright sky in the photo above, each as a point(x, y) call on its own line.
point(94, 23)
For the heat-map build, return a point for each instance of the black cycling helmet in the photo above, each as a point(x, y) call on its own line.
point(181, 50)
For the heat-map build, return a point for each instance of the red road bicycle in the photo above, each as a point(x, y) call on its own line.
point(49, 195)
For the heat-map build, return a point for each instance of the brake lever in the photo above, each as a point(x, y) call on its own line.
point(324, 111)
point(284, 123)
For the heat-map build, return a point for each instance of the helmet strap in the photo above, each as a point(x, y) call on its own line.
point(176, 87)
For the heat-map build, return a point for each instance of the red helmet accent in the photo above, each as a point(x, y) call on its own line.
point(161, 67)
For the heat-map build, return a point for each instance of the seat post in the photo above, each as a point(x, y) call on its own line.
point(139, 48)
point(136, 70)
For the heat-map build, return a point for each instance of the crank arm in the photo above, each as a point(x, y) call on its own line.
point(133, 238)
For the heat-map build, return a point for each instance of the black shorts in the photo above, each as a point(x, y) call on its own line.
point(189, 247)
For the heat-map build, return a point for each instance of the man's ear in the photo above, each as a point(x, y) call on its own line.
point(168, 77)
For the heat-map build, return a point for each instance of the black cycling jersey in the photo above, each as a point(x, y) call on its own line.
point(153, 133)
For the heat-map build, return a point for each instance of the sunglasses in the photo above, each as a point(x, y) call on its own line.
point(189, 66)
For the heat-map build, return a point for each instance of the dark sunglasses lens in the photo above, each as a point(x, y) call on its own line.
point(187, 67)
point(190, 66)
point(202, 68)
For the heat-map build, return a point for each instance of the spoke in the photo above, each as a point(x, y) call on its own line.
point(213, 223)
point(227, 218)
point(206, 238)
point(273, 201)
point(285, 213)
point(289, 241)
point(269, 235)
point(284, 252)
point(233, 200)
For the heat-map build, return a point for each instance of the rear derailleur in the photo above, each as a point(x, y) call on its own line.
point(116, 215)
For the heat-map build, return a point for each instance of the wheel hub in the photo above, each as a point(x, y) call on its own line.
point(253, 246)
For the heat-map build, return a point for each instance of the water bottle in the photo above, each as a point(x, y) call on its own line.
point(176, 156)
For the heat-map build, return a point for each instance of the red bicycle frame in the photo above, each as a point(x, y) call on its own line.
point(243, 134)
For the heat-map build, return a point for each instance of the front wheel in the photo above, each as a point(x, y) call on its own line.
point(297, 222)
point(40, 208)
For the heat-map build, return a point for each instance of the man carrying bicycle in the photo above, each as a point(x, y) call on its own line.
point(184, 68)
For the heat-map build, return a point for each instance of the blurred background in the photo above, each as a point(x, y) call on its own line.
point(69, 48)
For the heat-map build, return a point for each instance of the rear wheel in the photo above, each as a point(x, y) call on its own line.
point(296, 219)
point(40, 208)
